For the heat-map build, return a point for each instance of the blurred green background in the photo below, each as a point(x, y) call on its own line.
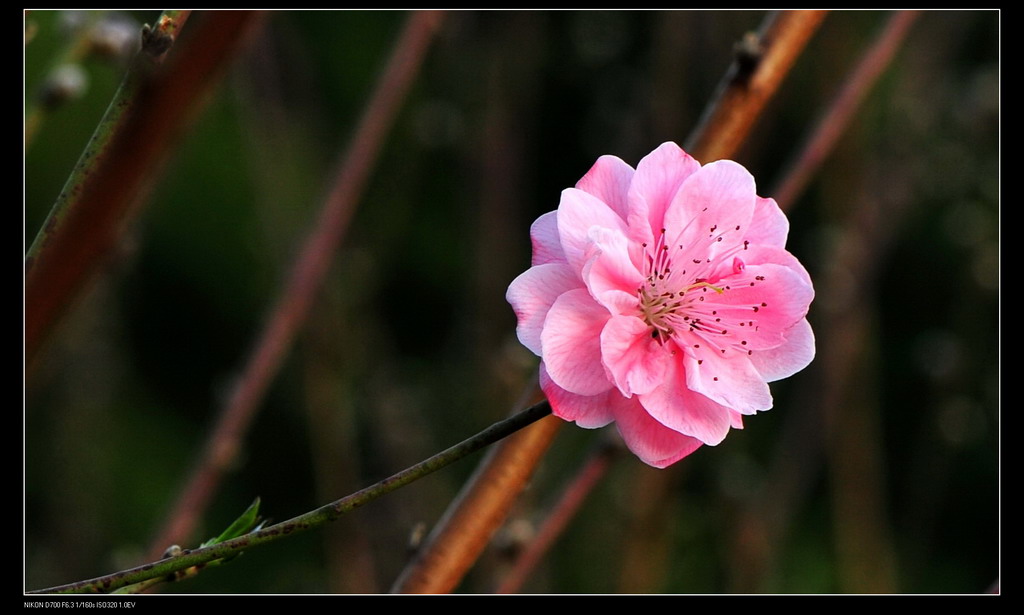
point(876, 471)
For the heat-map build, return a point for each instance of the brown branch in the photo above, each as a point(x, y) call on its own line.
point(763, 525)
point(461, 535)
point(96, 204)
point(843, 107)
point(561, 514)
point(762, 61)
point(305, 280)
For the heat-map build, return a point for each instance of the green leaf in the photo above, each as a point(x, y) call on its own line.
point(242, 525)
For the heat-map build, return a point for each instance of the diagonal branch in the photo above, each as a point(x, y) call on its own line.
point(594, 469)
point(306, 278)
point(844, 106)
point(121, 161)
point(189, 559)
point(764, 524)
point(762, 62)
point(461, 535)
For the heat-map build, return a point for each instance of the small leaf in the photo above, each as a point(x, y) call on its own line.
point(242, 525)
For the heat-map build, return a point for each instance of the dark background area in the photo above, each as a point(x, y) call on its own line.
point(877, 470)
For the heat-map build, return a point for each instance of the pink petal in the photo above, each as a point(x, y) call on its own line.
point(609, 273)
point(571, 340)
point(736, 419)
point(587, 411)
point(728, 379)
point(658, 177)
point(768, 299)
point(764, 255)
point(636, 361)
point(547, 246)
point(769, 225)
point(609, 180)
point(652, 442)
point(712, 210)
point(792, 356)
point(678, 408)
point(531, 296)
point(578, 212)
point(706, 258)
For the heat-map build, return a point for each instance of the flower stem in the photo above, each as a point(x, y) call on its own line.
point(199, 558)
point(307, 276)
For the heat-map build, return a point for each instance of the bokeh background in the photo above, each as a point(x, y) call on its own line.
point(876, 471)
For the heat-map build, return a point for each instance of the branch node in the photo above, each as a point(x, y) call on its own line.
point(156, 41)
point(748, 51)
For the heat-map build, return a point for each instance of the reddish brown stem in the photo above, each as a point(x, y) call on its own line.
point(844, 106)
point(74, 243)
point(460, 537)
point(579, 488)
point(306, 278)
point(764, 524)
point(762, 63)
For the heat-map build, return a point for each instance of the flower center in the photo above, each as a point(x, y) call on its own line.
point(671, 300)
point(666, 310)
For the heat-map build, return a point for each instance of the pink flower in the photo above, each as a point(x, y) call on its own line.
point(663, 299)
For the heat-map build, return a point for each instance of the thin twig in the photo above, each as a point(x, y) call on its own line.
point(305, 280)
point(311, 520)
point(843, 107)
point(121, 161)
point(593, 470)
point(460, 536)
point(762, 62)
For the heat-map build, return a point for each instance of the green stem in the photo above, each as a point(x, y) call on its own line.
point(325, 514)
point(155, 42)
point(123, 162)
